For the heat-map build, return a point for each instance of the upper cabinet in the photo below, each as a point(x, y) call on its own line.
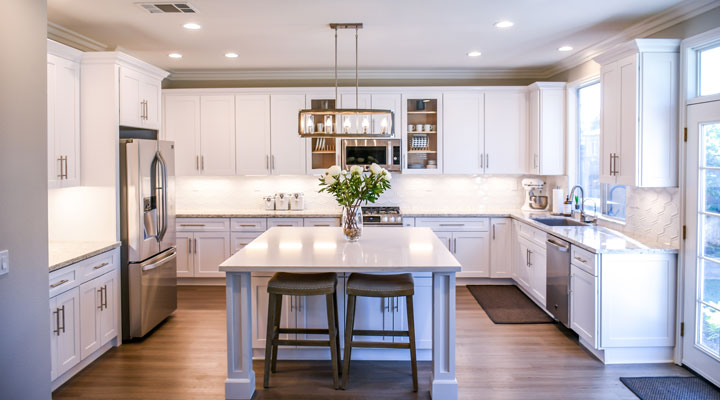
point(63, 108)
point(422, 133)
point(252, 134)
point(322, 153)
point(287, 148)
point(464, 122)
point(546, 131)
point(139, 99)
point(638, 124)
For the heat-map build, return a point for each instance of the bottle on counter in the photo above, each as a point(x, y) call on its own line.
point(567, 207)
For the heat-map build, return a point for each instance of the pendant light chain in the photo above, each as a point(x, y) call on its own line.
point(336, 79)
point(357, 81)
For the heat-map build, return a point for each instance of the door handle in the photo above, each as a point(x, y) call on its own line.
point(196, 225)
point(56, 313)
point(56, 284)
point(62, 309)
point(60, 160)
point(487, 160)
point(455, 245)
point(610, 164)
point(197, 163)
point(104, 296)
point(100, 292)
point(195, 246)
point(493, 233)
point(482, 160)
point(530, 264)
point(267, 162)
point(202, 163)
point(100, 266)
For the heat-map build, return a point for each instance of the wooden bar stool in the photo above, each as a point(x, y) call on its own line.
point(379, 286)
point(291, 284)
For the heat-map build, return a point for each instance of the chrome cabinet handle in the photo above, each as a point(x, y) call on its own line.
point(487, 160)
point(384, 304)
point(56, 314)
point(195, 246)
point(62, 309)
point(247, 225)
point(267, 162)
point(284, 225)
point(100, 266)
point(56, 284)
point(452, 224)
point(610, 164)
point(582, 260)
point(202, 163)
point(321, 225)
point(615, 163)
point(104, 304)
point(482, 160)
point(530, 252)
point(60, 160)
point(100, 291)
point(455, 245)
point(527, 257)
point(493, 231)
point(197, 163)
point(189, 246)
point(192, 224)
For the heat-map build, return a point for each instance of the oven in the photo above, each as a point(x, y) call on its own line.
point(364, 152)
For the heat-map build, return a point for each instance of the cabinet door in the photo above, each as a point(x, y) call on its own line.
point(90, 303)
point(150, 94)
point(287, 148)
point(217, 135)
point(500, 248)
point(260, 312)
point(583, 290)
point(472, 250)
point(54, 162)
point(182, 126)
point(130, 108)
point(53, 338)
point(68, 341)
point(211, 249)
point(538, 274)
point(422, 301)
point(552, 131)
point(347, 100)
point(628, 134)
point(311, 313)
point(446, 239)
point(523, 264)
point(67, 118)
point(252, 134)
point(375, 314)
point(388, 101)
point(184, 246)
point(107, 321)
point(464, 132)
point(609, 119)
point(534, 131)
point(505, 132)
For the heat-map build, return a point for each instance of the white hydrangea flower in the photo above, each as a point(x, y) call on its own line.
point(333, 171)
point(329, 180)
point(375, 169)
point(356, 170)
point(386, 175)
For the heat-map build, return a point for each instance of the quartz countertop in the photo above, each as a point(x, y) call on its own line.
point(260, 213)
point(62, 253)
point(320, 249)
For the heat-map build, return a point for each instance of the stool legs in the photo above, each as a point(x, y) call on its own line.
point(411, 334)
point(337, 332)
point(348, 340)
point(278, 311)
point(332, 334)
point(269, 336)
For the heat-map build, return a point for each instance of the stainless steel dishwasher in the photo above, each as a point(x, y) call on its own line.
point(558, 279)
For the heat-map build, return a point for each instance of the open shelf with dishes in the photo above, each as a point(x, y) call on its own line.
point(323, 151)
point(422, 133)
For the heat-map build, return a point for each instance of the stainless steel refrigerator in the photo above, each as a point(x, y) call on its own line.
point(147, 208)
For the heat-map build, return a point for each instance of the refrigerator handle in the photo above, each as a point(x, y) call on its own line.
point(158, 180)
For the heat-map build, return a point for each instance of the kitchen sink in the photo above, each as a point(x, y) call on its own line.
point(558, 222)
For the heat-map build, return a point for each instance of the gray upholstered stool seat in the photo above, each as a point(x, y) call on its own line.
point(291, 284)
point(368, 285)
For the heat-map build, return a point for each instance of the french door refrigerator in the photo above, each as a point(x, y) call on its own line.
point(147, 208)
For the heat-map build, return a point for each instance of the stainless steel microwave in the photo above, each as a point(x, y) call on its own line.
point(364, 152)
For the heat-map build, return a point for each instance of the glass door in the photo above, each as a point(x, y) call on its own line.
point(422, 133)
point(701, 340)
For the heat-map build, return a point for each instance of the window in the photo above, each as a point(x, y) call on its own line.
point(708, 67)
point(601, 198)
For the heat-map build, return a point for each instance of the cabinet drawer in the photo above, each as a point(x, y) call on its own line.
point(98, 265)
point(63, 279)
point(248, 224)
point(321, 222)
point(238, 240)
point(285, 222)
point(532, 234)
point(583, 259)
point(454, 224)
point(203, 225)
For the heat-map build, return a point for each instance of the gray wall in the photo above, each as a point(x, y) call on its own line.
point(24, 321)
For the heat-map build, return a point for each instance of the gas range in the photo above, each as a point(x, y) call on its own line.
point(383, 216)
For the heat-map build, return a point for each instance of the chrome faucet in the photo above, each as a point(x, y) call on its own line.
point(583, 218)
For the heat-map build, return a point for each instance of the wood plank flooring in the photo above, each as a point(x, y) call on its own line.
point(185, 358)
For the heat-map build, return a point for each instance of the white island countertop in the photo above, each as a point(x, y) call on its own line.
point(323, 249)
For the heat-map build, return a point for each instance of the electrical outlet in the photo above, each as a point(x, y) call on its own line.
point(4, 262)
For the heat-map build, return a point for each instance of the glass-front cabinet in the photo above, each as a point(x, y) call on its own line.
point(422, 133)
point(322, 152)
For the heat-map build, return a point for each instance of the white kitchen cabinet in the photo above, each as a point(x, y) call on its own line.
point(422, 300)
point(239, 240)
point(538, 273)
point(210, 249)
point(63, 113)
point(530, 263)
point(184, 260)
point(638, 124)
point(523, 273)
point(546, 105)
point(217, 135)
point(445, 238)
point(65, 334)
point(252, 134)
point(98, 313)
point(260, 300)
point(287, 148)
point(139, 99)
point(505, 132)
point(425, 108)
point(321, 222)
point(284, 222)
point(583, 304)
point(472, 250)
point(500, 248)
point(182, 126)
point(463, 141)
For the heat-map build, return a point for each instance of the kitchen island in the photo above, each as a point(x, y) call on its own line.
point(319, 249)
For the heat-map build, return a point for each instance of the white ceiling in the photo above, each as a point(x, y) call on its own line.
point(398, 34)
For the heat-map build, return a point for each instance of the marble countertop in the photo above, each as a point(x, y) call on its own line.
point(260, 213)
point(320, 249)
point(62, 253)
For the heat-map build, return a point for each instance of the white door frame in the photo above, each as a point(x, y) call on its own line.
point(688, 94)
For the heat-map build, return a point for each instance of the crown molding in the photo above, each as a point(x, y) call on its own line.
point(63, 51)
point(73, 39)
point(665, 19)
point(328, 74)
point(122, 59)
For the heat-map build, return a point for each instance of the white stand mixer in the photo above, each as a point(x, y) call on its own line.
point(533, 201)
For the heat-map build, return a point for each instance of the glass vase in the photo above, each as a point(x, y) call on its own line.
point(352, 223)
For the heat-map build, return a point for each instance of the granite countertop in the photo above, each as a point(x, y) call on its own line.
point(260, 213)
point(62, 253)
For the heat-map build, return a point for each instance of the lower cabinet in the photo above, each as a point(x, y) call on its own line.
point(98, 313)
point(65, 334)
point(538, 273)
point(201, 253)
point(583, 302)
point(529, 264)
point(467, 238)
point(500, 248)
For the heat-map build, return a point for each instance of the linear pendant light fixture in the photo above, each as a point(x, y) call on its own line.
point(346, 122)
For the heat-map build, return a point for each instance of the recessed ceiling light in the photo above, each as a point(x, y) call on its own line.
point(504, 24)
point(231, 55)
point(565, 48)
point(175, 55)
point(192, 26)
point(474, 54)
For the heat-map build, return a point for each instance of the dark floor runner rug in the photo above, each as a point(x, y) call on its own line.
point(671, 388)
point(506, 304)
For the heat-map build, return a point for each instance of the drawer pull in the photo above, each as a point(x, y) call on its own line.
point(582, 260)
point(321, 225)
point(248, 225)
point(285, 225)
point(452, 224)
point(192, 224)
point(100, 266)
point(56, 284)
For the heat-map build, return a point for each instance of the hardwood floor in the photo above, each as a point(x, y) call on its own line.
point(185, 358)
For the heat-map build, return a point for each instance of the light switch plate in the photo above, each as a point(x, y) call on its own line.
point(4, 262)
